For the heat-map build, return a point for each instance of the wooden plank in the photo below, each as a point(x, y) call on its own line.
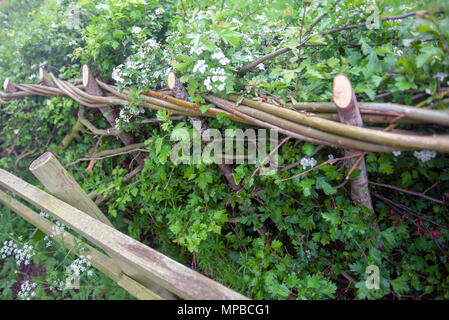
point(156, 267)
point(136, 289)
point(60, 183)
point(99, 260)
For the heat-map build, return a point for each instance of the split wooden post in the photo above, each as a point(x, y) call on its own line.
point(45, 77)
point(8, 87)
point(91, 86)
point(180, 92)
point(348, 110)
point(60, 183)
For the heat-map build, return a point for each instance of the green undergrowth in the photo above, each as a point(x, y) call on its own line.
point(296, 239)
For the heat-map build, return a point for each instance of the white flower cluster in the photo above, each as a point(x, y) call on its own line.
point(236, 22)
point(425, 155)
point(441, 76)
point(118, 75)
point(396, 153)
point(152, 44)
point(218, 79)
point(198, 50)
point(80, 265)
point(47, 241)
point(44, 214)
point(124, 116)
point(200, 66)
point(159, 11)
point(27, 290)
point(308, 162)
point(101, 6)
point(59, 229)
point(22, 255)
point(266, 29)
point(221, 58)
point(136, 30)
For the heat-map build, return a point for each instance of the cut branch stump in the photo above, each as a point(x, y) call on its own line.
point(348, 110)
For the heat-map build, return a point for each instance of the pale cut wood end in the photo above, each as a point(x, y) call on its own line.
point(171, 80)
point(8, 86)
point(342, 91)
point(43, 159)
point(86, 73)
point(41, 73)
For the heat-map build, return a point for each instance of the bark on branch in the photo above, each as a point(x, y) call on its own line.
point(344, 98)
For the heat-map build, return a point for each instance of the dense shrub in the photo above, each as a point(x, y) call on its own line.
point(299, 238)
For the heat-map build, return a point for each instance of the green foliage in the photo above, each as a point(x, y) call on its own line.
point(299, 238)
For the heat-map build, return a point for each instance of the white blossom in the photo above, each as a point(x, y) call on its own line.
point(425, 155)
point(308, 162)
point(117, 74)
point(102, 6)
point(26, 290)
point(136, 30)
point(207, 83)
point(200, 66)
point(159, 11)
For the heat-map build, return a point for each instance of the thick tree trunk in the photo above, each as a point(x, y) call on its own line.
point(348, 110)
point(180, 92)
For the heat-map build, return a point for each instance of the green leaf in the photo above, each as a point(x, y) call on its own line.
point(232, 37)
point(400, 285)
point(204, 109)
point(331, 217)
point(404, 84)
point(306, 186)
point(321, 183)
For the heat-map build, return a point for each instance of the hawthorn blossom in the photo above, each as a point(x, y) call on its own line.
point(308, 162)
point(136, 30)
point(425, 155)
point(200, 66)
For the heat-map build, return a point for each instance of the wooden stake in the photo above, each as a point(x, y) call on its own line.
point(60, 183)
point(345, 100)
